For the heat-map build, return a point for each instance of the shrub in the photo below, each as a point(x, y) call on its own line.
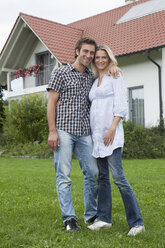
point(26, 132)
point(143, 142)
point(35, 149)
point(26, 120)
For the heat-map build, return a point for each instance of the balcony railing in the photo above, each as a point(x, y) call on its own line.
point(40, 79)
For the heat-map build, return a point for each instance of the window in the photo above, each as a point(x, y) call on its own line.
point(136, 105)
point(44, 58)
point(42, 78)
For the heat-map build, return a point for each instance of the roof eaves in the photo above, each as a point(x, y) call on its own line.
point(139, 51)
point(10, 35)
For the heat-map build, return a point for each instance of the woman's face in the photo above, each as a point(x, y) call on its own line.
point(101, 60)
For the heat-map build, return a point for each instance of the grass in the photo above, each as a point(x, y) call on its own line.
point(30, 215)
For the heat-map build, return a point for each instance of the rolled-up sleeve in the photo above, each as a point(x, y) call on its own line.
point(120, 97)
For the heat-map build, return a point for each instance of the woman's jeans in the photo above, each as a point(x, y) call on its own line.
point(82, 149)
point(104, 211)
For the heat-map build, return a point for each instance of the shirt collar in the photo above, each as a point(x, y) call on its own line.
point(71, 67)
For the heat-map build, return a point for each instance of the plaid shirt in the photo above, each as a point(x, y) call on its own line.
point(72, 115)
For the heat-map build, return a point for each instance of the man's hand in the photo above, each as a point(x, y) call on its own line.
point(114, 70)
point(53, 140)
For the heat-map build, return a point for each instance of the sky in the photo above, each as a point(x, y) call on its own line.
point(61, 11)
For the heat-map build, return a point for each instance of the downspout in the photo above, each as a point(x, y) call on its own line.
point(160, 84)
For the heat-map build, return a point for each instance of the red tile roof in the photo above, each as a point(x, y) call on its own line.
point(59, 38)
point(132, 36)
point(136, 35)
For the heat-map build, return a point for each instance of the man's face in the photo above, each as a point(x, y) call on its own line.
point(86, 54)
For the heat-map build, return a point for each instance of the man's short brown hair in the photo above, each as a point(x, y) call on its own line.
point(82, 41)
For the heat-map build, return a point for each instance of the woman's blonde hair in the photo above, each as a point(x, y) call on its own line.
point(111, 56)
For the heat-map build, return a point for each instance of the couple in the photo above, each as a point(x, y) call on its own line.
point(71, 86)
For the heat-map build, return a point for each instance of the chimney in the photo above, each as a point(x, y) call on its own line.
point(130, 1)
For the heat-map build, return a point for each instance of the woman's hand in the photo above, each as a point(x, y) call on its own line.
point(109, 136)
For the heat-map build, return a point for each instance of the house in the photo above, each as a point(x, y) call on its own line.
point(135, 33)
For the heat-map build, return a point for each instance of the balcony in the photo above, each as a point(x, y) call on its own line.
point(29, 84)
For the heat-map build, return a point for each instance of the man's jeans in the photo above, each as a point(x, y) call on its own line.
point(104, 212)
point(82, 149)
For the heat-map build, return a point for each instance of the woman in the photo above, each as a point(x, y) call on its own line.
point(108, 107)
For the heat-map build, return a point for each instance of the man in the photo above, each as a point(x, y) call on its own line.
point(69, 131)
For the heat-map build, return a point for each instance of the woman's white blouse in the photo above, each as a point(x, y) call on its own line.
point(107, 100)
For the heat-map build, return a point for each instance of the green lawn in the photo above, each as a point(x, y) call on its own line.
point(30, 215)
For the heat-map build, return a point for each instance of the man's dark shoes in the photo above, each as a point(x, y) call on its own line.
point(71, 225)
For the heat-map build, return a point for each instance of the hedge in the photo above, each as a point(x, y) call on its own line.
point(25, 132)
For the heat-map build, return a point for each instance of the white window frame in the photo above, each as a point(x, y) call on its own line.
point(139, 119)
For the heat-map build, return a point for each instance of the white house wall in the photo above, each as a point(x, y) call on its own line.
point(30, 81)
point(139, 71)
point(163, 80)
